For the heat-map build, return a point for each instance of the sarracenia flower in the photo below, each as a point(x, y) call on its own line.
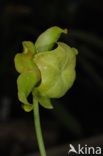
point(44, 72)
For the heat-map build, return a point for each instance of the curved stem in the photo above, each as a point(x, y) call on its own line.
point(38, 128)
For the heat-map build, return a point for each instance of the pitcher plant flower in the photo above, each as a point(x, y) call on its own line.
point(45, 72)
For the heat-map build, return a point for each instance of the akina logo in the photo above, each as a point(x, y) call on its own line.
point(84, 150)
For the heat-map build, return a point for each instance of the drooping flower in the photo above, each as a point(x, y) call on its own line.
point(44, 72)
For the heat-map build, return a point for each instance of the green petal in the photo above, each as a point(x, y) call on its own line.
point(23, 61)
point(25, 83)
point(47, 39)
point(28, 107)
point(28, 47)
point(44, 101)
point(57, 70)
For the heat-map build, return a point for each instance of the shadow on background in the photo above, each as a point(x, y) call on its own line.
point(78, 114)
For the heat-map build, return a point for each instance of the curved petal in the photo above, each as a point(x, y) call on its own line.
point(47, 39)
point(28, 47)
point(44, 101)
point(57, 70)
point(25, 83)
point(23, 61)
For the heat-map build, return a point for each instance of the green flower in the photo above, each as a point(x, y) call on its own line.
point(44, 72)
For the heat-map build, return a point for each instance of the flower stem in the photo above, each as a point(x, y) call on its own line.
point(38, 128)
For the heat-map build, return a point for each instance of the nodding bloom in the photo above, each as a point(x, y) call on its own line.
point(45, 72)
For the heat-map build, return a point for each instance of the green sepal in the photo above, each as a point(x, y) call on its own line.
point(27, 108)
point(28, 47)
point(75, 51)
point(23, 61)
point(44, 101)
point(47, 39)
point(25, 83)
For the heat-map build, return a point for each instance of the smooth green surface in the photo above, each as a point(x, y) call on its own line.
point(23, 61)
point(29, 47)
point(38, 127)
point(25, 82)
point(57, 69)
point(44, 101)
point(48, 38)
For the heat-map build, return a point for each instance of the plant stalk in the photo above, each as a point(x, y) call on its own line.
point(38, 128)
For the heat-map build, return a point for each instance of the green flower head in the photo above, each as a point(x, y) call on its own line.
point(44, 72)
